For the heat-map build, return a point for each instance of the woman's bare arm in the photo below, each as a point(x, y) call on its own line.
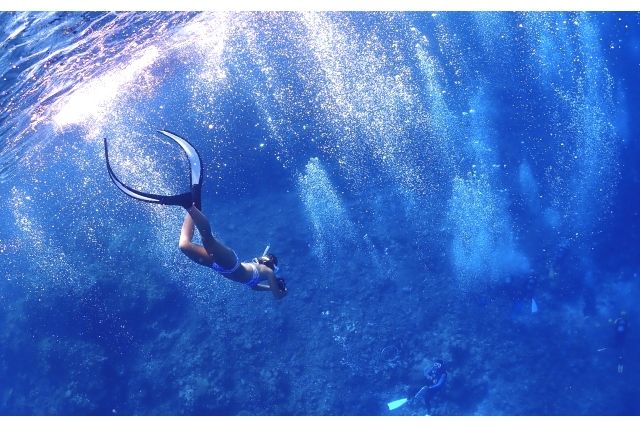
point(267, 273)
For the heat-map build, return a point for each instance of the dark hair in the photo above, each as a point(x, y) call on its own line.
point(270, 260)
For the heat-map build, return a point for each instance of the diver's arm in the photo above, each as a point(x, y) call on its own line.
point(265, 272)
point(273, 286)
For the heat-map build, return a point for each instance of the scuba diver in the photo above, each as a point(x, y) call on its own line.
point(621, 326)
point(212, 253)
point(436, 378)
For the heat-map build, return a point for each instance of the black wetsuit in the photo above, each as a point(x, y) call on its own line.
point(436, 378)
point(621, 331)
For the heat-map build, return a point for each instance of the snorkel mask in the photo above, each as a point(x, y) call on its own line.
point(268, 259)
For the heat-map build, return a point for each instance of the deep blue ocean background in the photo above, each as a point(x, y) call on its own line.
point(421, 177)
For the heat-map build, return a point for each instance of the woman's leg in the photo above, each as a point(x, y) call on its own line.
point(195, 252)
point(216, 251)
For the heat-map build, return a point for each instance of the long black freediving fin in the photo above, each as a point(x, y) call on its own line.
point(197, 170)
point(183, 199)
point(195, 162)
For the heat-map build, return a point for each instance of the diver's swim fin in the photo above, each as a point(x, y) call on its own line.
point(197, 170)
point(534, 306)
point(397, 403)
point(196, 195)
point(185, 199)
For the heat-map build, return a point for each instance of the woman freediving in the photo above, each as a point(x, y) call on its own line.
point(212, 253)
point(225, 261)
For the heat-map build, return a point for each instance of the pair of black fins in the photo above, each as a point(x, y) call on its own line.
point(184, 199)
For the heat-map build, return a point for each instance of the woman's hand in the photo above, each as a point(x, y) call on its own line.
point(282, 285)
point(276, 284)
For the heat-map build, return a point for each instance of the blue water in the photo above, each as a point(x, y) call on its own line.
point(421, 177)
